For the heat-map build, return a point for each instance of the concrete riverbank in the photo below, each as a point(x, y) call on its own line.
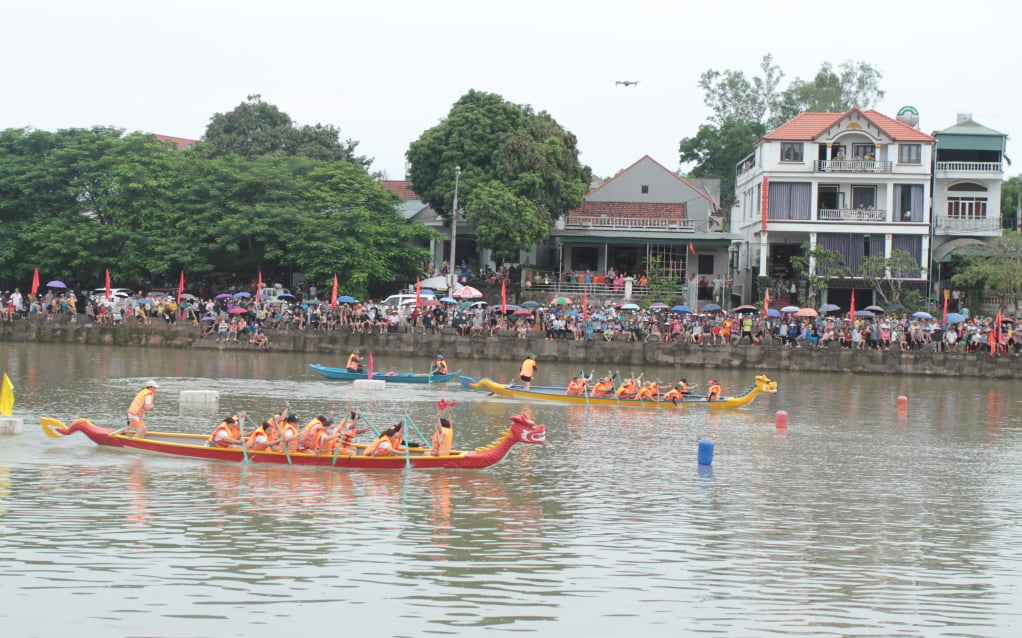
point(598, 354)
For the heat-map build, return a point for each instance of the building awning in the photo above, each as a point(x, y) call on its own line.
point(968, 246)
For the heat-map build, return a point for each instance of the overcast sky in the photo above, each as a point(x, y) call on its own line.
point(383, 72)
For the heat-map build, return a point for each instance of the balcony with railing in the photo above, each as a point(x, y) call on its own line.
point(953, 225)
point(628, 223)
point(970, 167)
point(852, 166)
point(851, 214)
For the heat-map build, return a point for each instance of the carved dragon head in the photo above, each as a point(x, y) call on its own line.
point(765, 384)
point(526, 430)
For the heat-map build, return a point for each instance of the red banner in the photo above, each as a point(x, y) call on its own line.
point(259, 287)
point(108, 284)
point(503, 296)
point(35, 283)
point(333, 293)
point(418, 293)
point(181, 287)
point(851, 312)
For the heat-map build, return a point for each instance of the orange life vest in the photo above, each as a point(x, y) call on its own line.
point(233, 431)
point(713, 392)
point(354, 361)
point(137, 407)
point(440, 367)
point(374, 448)
point(310, 437)
point(528, 367)
point(648, 391)
point(576, 388)
point(602, 388)
point(673, 395)
point(443, 439)
point(251, 442)
point(627, 389)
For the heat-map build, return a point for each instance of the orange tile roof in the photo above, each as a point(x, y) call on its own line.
point(180, 142)
point(402, 188)
point(809, 126)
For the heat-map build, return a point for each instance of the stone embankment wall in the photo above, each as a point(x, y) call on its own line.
point(598, 355)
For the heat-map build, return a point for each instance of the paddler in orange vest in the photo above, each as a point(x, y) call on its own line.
point(629, 388)
point(443, 437)
point(354, 361)
point(227, 434)
point(387, 443)
point(674, 394)
point(349, 430)
point(713, 391)
point(142, 403)
point(578, 386)
point(528, 370)
point(439, 366)
point(312, 434)
point(603, 388)
point(264, 437)
point(650, 391)
point(289, 432)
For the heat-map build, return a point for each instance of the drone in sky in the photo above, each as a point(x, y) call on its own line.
point(626, 82)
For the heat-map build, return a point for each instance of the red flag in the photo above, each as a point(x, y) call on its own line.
point(766, 300)
point(259, 287)
point(503, 296)
point(108, 284)
point(851, 312)
point(995, 334)
point(333, 293)
point(418, 293)
point(585, 305)
point(945, 310)
point(181, 287)
point(35, 283)
point(370, 364)
point(691, 248)
point(443, 405)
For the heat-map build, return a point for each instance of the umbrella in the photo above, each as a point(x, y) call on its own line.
point(740, 309)
point(921, 315)
point(287, 295)
point(710, 307)
point(598, 316)
point(774, 312)
point(530, 304)
point(314, 302)
point(242, 294)
point(864, 314)
point(955, 317)
point(571, 313)
point(508, 309)
point(56, 284)
point(467, 292)
point(224, 295)
point(208, 318)
point(560, 301)
point(628, 306)
point(238, 310)
point(790, 309)
point(682, 310)
point(436, 283)
point(657, 305)
point(428, 302)
point(806, 312)
point(828, 307)
point(188, 296)
point(521, 313)
point(427, 291)
point(895, 306)
point(875, 309)
point(448, 300)
point(144, 300)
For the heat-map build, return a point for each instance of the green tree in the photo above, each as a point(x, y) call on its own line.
point(887, 276)
point(661, 285)
point(495, 143)
point(716, 150)
point(997, 272)
point(732, 97)
point(817, 267)
point(830, 91)
point(1011, 191)
point(256, 128)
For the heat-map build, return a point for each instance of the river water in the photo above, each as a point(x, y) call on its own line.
point(857, 520)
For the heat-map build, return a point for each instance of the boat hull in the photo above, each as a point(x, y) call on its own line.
point(193, 446)
point(560, 395)
point(340, 374)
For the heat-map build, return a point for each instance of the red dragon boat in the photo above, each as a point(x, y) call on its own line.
point(522, 430)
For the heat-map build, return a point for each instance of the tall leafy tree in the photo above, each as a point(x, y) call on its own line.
point(997, 272)
point(509, 156)
point(817, 266)
point(716, 150)
point(831, 91)
point(887, 275)
point(256, 128)
point(733, 97)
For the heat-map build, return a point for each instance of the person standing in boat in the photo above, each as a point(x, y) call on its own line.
point(443, 437)
point(528, 370)
point(142, 403)
point(387, 443)
point(227, 434)
point(439, 366)
point(713, 391)
point(354, 361)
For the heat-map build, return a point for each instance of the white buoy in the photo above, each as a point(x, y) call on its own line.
point(370, 384)
point(207, 399)
point(11, 425)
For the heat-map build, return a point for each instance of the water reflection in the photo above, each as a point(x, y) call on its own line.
point(855, 520)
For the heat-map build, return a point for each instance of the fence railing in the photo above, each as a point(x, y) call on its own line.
point(970, 167)
point(851, 214)
point(852, 166)
point(606, 221)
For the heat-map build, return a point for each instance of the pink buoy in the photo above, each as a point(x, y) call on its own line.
point(782, 420)
point(903, 404)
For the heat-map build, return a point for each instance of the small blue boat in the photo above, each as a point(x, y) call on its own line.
point(342, 374)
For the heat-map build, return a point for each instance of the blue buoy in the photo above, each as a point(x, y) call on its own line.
point(705, 451)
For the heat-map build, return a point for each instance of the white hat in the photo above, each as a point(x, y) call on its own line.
point(150, 384)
